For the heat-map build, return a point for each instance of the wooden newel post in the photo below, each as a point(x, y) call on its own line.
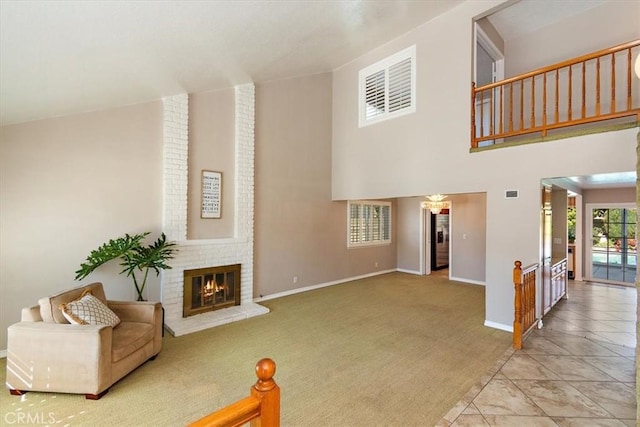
point(268, 393)
point(517, 320)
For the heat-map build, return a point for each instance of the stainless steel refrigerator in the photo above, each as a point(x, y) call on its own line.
point(440, 240)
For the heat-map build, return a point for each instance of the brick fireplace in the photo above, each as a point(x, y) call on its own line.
point(198, 254)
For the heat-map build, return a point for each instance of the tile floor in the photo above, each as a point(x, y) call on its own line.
point(614, 273)
point(578, 370)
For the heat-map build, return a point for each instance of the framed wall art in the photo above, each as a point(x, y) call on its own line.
point(211, 206)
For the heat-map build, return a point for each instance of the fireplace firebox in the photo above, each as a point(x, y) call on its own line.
point(213, 288)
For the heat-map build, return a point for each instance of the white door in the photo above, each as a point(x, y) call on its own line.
point(489, 68)
point(612, 243)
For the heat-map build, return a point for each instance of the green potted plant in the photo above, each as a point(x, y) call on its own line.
point(135, 257)
point(571, 224)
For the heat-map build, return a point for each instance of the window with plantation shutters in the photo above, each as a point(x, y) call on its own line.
point(375, 95)
point(400, 85)
point(387, 88)
point(369, 223)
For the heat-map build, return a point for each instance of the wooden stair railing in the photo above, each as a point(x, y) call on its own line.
point(524, 281)
point(261, 408)
point(590, 88)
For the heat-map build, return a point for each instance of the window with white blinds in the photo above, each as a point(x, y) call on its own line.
point(387, 88)
point(369, 223)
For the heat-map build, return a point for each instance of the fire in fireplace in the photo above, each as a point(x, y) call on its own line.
point(208, 289)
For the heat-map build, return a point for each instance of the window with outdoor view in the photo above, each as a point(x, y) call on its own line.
point(613, 244)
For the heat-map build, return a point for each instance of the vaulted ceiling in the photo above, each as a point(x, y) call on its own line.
point(526, 16)
point(65, 57)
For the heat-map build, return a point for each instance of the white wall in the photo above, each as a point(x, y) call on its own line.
point(468, 237)
point(559, 206)
point(578, 35)
point(575, 36)
point(428, 152)
point(67, 185)
point(300, 233)
point(211, 147)
point(408, 221)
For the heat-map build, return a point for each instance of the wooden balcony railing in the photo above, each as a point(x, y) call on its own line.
point(524, 281)
point(591, 88)
point(261, 408)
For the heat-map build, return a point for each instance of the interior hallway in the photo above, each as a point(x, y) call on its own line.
point(578, 370)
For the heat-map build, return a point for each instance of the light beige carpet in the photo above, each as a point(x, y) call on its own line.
point(391, 350)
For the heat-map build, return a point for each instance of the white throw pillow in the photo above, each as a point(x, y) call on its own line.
point(89, 310)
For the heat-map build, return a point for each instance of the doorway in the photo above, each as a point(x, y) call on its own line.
point(612, 244)
point(489, 68)
point(440, 240)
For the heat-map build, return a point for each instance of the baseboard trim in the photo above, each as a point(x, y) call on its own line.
point(3, 354)
point(473, 282)
point(402, 270)
point(318, 286)
point(500, 326)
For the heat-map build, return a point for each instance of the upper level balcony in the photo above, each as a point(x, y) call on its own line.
point(590, 93)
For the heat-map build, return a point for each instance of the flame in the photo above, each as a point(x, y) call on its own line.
point(209, 288)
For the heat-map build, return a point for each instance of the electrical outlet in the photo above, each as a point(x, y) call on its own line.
point(376, 264)
point(295, 279)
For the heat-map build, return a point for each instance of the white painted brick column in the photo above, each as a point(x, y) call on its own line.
point(174, 168)
point(244, 178)
point(245, 153)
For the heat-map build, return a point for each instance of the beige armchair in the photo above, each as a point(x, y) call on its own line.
point(47, 353)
